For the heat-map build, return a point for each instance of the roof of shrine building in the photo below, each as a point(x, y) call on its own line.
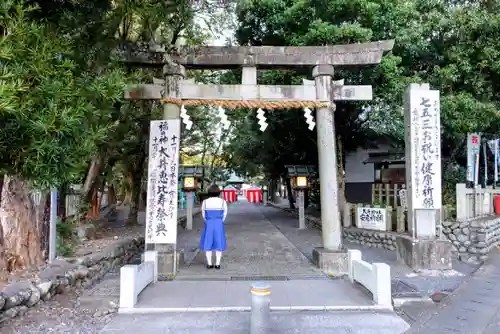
point(227, 57)
point(235, 179)
point(385, 157)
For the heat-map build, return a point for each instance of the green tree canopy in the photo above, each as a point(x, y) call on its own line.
point(452, 45)
point(52, 111)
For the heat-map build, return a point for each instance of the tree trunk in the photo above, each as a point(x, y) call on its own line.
point(93, 211)
point(61, 205)
point(282, 188)
point(136, 190)
point(111, 194)
point(101, 196)
point(290, 193)
point(216, 152)
point(138, 168)
point(144, 197)
point(273, 185)
point(3, 261)
point(95, 203)
point(203, 155)
point(43, 222)
point(128, 191)
point(1, 186)
point(95, 169)
point(108, 179)
point(340, 177)
point(18, 218)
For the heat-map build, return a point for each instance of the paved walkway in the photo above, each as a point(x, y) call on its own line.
point(196, 296)
point(239, 323)
point(472, 309)
point(257, 251)
point(255, 248)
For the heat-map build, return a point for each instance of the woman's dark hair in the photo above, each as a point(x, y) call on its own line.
point(213, 191)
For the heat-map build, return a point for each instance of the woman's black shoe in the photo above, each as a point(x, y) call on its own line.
point(217, 267)
point(209, 266)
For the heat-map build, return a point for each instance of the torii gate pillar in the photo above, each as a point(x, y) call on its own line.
point(169, 257)
point(331, 258)
point(174, 74)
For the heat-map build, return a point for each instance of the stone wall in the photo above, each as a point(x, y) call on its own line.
point(370, 238)
point(65, 274)
point(367, 238)
point(473, 239)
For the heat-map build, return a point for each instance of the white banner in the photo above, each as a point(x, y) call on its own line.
point(473, 147)
point(426, 149)
point(494, 147)
point(163, 171)
point(403, 199)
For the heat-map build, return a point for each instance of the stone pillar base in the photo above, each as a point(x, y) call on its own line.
point(166, 261)
point(331, 262)
point(424, 254)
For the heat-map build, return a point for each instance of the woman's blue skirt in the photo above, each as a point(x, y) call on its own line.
point(213, 237)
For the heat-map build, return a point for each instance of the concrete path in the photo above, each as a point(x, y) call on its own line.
point(196, 296)
point(255, 249)
point(472, 309)
point(239, 323)
point(214, 301)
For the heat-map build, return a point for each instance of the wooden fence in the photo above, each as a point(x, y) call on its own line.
point(475, 202)
point(73, 199)
point(386, 194)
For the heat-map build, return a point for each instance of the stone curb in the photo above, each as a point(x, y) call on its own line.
point(159, 310)
point(64, 275)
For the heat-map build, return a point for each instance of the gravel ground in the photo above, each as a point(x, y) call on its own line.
point(83, 311)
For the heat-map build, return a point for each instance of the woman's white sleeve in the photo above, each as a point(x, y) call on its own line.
point(225, 209)
point(203, 209)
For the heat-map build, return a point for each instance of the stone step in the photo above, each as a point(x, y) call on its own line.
point(310, 322)
point(234, 295)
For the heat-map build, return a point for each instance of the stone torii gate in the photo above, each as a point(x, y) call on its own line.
point(319, 93)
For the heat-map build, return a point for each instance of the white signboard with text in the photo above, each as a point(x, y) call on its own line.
point(163, 169)
point(402, 199)
point(371, 218)
point(425, 150)
point(494, 147)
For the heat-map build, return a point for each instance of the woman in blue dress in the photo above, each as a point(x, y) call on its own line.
point(213, 238)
